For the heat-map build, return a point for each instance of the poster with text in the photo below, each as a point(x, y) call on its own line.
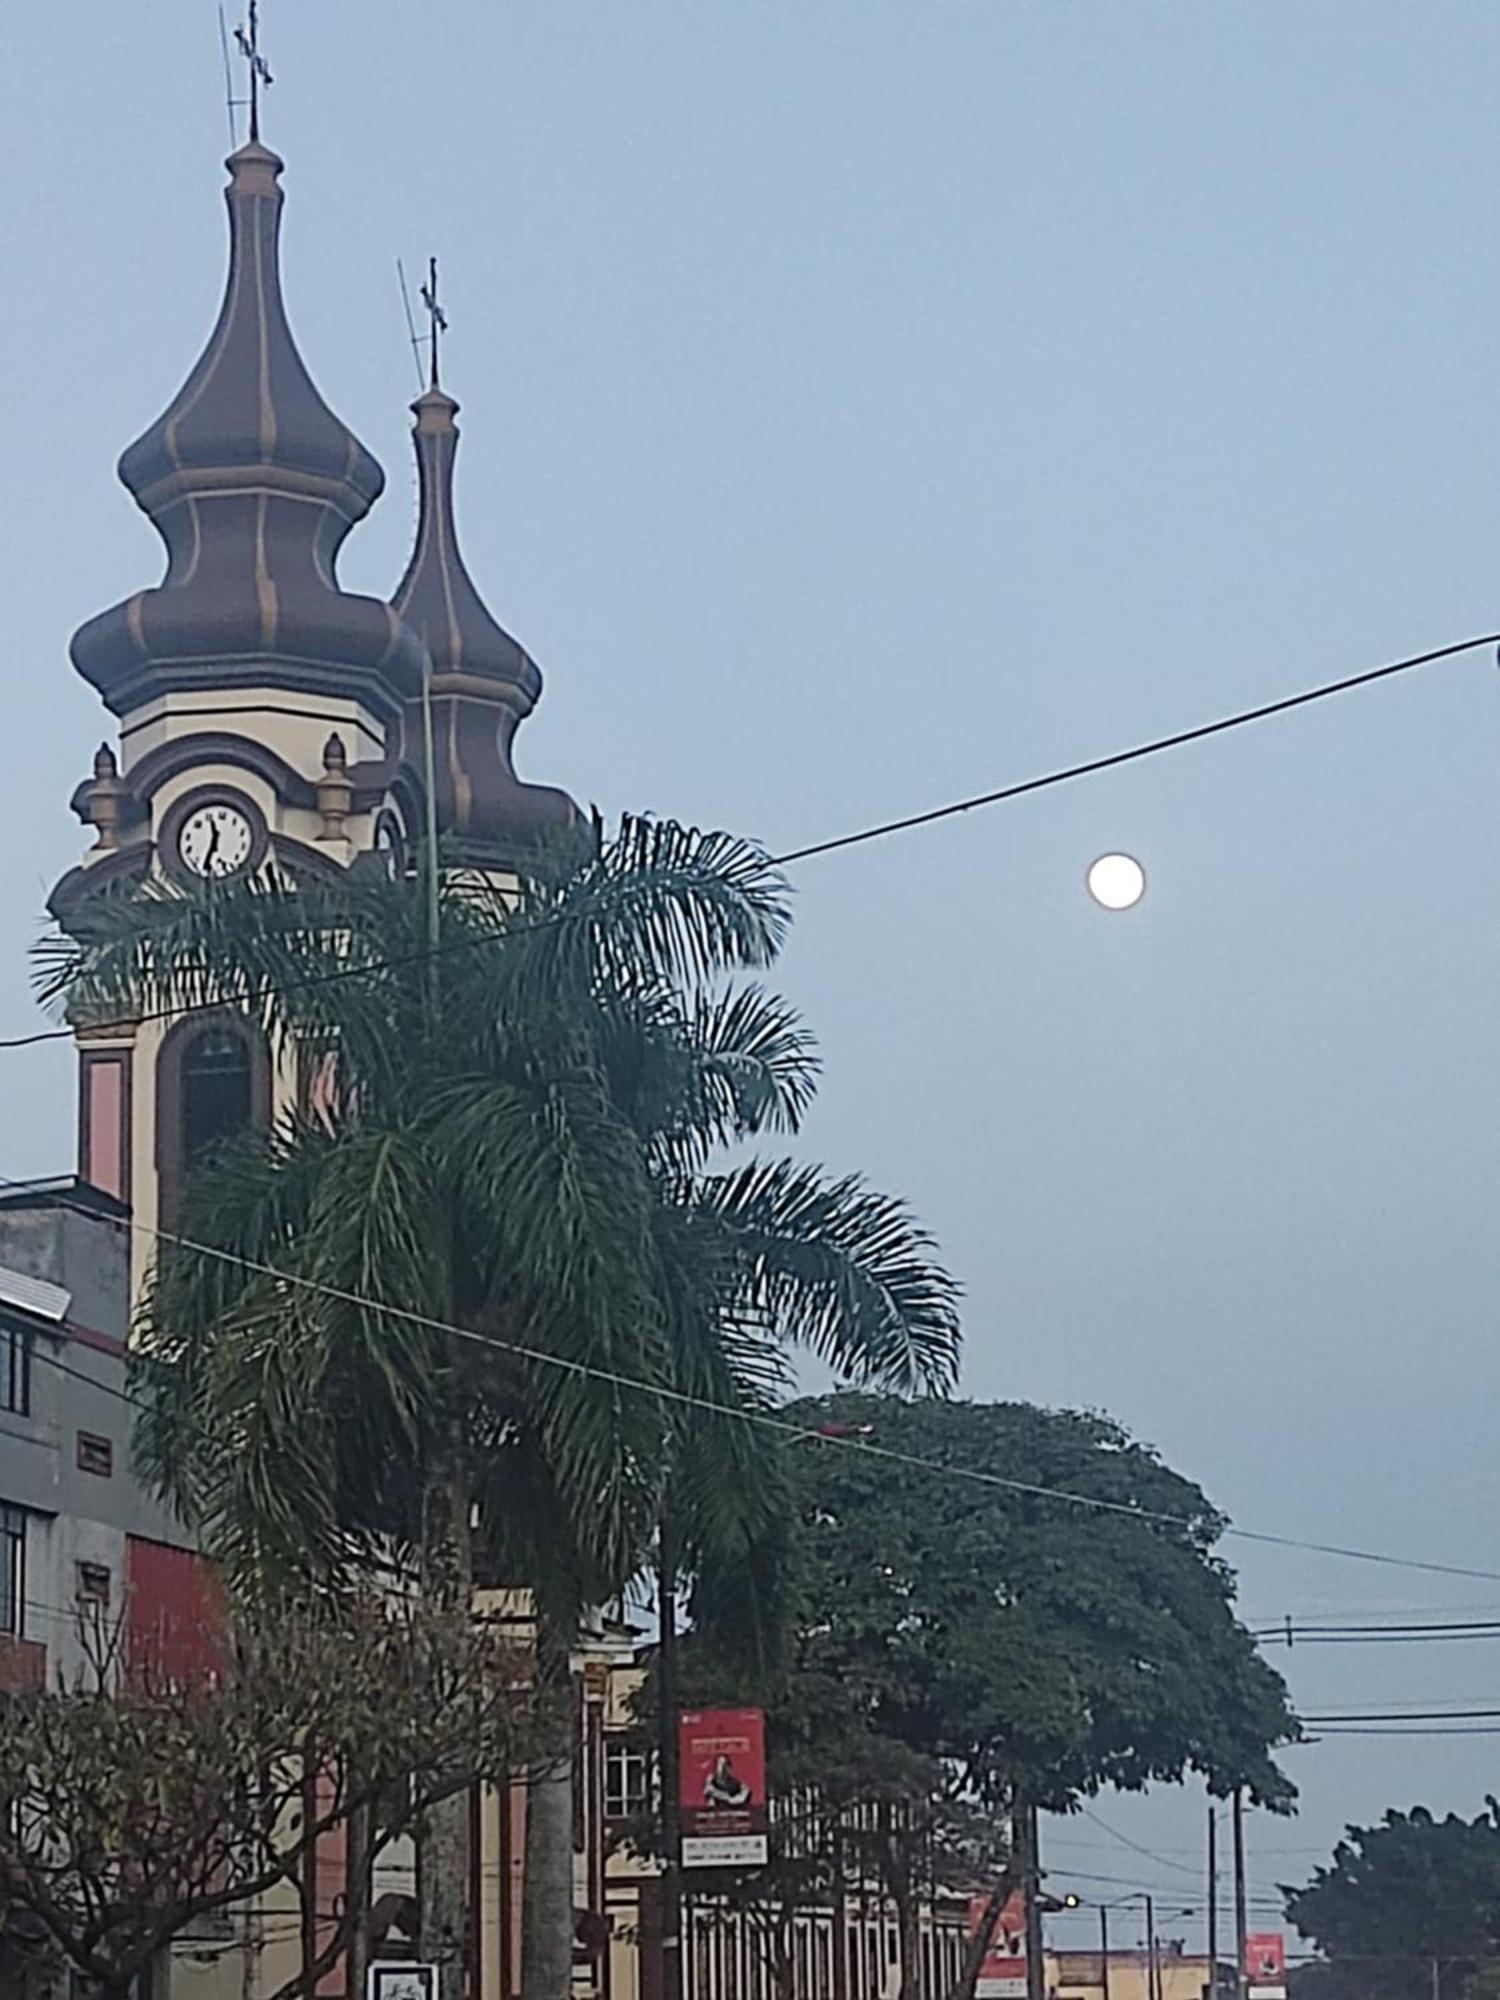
point(403, 1982)
point(1265, 1964)
point(1002, 1971)
point(721, 1788)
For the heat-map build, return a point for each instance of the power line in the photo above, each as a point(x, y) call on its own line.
point(1124, 1839)
point(1153, 747)
point(1358, 1615)
point(1376, 1635)
point(765, 1419)
point(1261, 1894)
point(1409, 1715)
point(1404, 1729)
point(106, 1388)
point(1095, 1846)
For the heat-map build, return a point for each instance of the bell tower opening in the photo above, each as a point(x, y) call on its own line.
point(212, 1083)
point(216, 1094)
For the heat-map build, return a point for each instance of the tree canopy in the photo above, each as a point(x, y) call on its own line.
point(1023, 1643)
point(1400, 1901)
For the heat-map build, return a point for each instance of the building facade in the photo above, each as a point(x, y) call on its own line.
point(89, 1559)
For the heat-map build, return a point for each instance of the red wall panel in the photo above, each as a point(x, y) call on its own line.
point(174, 1611)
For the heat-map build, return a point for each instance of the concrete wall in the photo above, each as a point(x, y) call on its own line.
point(43, 1235)
point(78, 1389)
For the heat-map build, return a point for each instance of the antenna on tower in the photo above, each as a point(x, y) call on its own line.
point(248, 37)
point(411, 324)
point(437, 318)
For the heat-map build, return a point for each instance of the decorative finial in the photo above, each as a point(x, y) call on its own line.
point(248, 37)
point(437, 318)
point(335, 791)
point(103, 801)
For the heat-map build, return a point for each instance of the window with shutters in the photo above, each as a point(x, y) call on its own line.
point(95, 1454)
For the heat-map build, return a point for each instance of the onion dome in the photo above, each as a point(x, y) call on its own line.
point(484, 682)
point(253, 484)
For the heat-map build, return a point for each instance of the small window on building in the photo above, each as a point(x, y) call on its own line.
point(12, 1571)
point(93, 1584)
point(15, 1371)
point(627, 1779)
point(95, 1454)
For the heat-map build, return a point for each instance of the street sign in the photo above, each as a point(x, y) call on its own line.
point(721, 1788)
point(403, 1982)
point(1002, 1972)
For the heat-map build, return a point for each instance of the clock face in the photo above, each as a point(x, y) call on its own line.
point(215, 840)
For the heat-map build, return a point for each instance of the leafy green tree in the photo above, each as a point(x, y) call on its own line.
point(967, 1648)
point(521, 1137)
point(1411, 1906)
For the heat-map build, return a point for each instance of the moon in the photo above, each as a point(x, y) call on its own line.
point(1117, 881)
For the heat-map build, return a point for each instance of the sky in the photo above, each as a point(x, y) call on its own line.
point(873, 402)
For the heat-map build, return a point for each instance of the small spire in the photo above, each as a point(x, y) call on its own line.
point(484, 683)
point(248, 38)
point(437, 320)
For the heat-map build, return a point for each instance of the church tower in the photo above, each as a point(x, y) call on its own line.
point(266, 715)
point(484, 683)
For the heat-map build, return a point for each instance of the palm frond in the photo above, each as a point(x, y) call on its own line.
point(660, 903)
point(840, 1269)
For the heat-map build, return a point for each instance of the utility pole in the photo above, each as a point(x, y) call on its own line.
point(666, 1757)
point(1104, 1950)
point(1213, 1901)
point(1030, 1830)
point(1153, 1963)
point(1239, 1890)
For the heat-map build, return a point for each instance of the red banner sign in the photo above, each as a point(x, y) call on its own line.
point(1002, 1972)
point(1265, 1959)
point(721, 1788)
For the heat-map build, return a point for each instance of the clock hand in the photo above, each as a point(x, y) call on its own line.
point(213, 844)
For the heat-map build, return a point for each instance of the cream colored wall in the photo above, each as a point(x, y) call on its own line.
point(275, 1925)
point(145, 1195)
point(295, 726)
point(196, 1972)
point(294, 821)
point(1129, 1979)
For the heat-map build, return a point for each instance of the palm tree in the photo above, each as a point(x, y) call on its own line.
point(506, 1290)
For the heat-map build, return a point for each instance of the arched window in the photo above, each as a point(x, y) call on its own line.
point(212, 1081)
point(217, 1090)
